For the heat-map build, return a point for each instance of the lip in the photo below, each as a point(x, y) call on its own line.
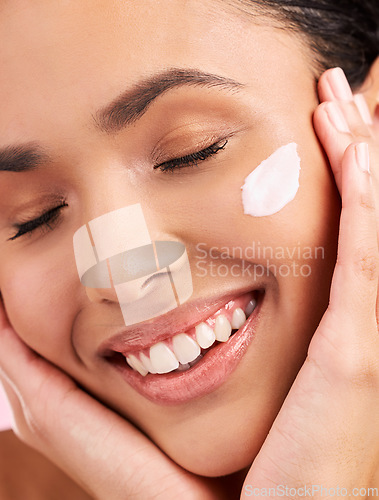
point(145, 334)
point(205, 376)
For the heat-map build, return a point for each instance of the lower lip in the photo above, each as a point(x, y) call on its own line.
point(204, 377)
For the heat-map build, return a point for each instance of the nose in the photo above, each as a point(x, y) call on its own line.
point(100, 286)
point(98, 242)
point(97, 279)
point(118, 262)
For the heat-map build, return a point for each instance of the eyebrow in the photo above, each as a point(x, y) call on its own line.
point(22, 157)
point(124, 110)
point(132, 104)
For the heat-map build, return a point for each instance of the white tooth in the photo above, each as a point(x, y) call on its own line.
point(192, 363)
point(222, 329)
point(204, 335)
point(129, 360)
point(238, 319)
point(185, 348)
point(250, 307)
point(162, 358)
point(146, 362)
point(136, 364)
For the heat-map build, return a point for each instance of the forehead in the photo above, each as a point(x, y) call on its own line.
point(60, 61)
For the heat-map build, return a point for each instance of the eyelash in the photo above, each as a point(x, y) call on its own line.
point(47, 220)
point(50, 219)
point(193, 158)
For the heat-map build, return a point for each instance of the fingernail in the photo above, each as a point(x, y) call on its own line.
point(362, 157)
point(363, 109)
point(339, 85)
point(336, 117)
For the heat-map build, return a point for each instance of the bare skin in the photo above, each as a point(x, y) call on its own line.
point(271, 112)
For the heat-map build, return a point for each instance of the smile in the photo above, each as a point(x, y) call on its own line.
point(192, 362)
point(186, 349)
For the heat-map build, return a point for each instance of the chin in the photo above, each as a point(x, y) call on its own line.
point(219, 440)
point(223, 452)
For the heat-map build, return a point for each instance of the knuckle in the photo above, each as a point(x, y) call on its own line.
point(360, 131)
point(358, 127)
point(320, 111)
point(352, 364)
point(361, 371)
point(366, 264)
point(367, 202)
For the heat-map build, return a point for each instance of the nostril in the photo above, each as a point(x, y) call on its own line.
point(118, 262)
point(102, 295)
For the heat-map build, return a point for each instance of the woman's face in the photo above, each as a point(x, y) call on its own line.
point(62, 62)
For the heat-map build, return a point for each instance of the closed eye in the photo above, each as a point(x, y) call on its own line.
point(48, 220)
point(192, 159)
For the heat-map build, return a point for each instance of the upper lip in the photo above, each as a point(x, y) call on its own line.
point(181, 319)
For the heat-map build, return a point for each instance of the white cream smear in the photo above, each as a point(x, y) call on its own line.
point(273, 184)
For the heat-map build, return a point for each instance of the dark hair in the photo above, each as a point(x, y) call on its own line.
point(341, 33)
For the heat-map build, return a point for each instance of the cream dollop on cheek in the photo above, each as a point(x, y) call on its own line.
point(273, 184)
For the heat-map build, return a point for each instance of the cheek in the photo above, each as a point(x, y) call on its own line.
point(207, 206)
point(307, 222)
point(40, 292)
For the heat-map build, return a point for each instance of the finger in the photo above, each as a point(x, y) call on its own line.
point(344, 351)
point(8, 396)
point(333, 86)
point(61, 419)
point(363, 109)
point(355, 281)
point(338, 125)
point(22, 422)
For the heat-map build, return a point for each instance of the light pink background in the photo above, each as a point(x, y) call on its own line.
point(5, 413)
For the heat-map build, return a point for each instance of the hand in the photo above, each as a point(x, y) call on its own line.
point(101, 451)
point(327, 431)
